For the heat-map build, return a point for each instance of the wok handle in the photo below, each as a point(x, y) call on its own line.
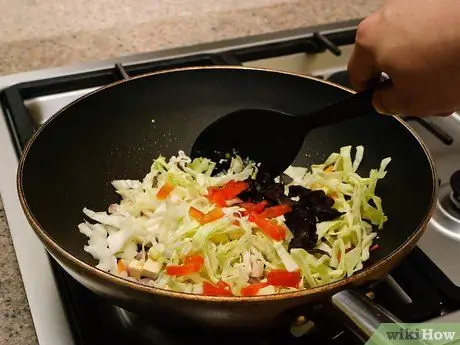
point(363, 315)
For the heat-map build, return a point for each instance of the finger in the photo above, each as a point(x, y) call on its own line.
point(443, 114)
point(361, 69)
point(387, 101)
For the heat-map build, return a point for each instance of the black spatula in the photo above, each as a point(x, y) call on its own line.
point(274, 138)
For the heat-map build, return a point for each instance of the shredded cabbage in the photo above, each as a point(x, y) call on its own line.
point(144, 227)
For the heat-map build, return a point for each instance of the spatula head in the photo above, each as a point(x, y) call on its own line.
point(264, 136)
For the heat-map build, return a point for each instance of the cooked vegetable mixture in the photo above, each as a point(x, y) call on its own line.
point(193, 228)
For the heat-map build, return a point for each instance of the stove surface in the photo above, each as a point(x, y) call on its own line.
point(64, 312)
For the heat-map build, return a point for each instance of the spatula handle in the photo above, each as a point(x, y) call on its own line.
point(350, 107)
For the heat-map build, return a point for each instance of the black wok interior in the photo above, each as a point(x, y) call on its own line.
point(117, 132)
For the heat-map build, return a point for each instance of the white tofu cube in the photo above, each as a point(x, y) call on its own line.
point(197, 289)
point(135, 269)
point(151, 269)
point(268, 290)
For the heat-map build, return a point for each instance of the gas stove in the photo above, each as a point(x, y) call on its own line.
point(424, 287)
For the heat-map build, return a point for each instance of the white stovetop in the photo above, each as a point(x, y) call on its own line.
point(41, 290)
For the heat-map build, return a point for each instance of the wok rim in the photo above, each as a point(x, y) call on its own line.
point(91, 271)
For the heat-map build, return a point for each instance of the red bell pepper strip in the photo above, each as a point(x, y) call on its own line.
point(122, 266)
point(272, 230)
point(253, 289)
point(276, 211)
point(253, 207)
point(194, 213)
point(165, 190)
point(192, 264)
point(219, 195)
point(232, 188)
point(194, 259)
point(283, 278)
point(216, 196)
point(211, 216)
point(204, 218)
point(374, 247)
point(219, 289)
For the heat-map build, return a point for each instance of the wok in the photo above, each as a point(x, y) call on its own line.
point(117, 131)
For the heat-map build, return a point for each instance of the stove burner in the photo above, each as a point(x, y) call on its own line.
point(446, 216)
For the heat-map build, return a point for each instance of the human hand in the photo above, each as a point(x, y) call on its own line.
point(417, 44)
